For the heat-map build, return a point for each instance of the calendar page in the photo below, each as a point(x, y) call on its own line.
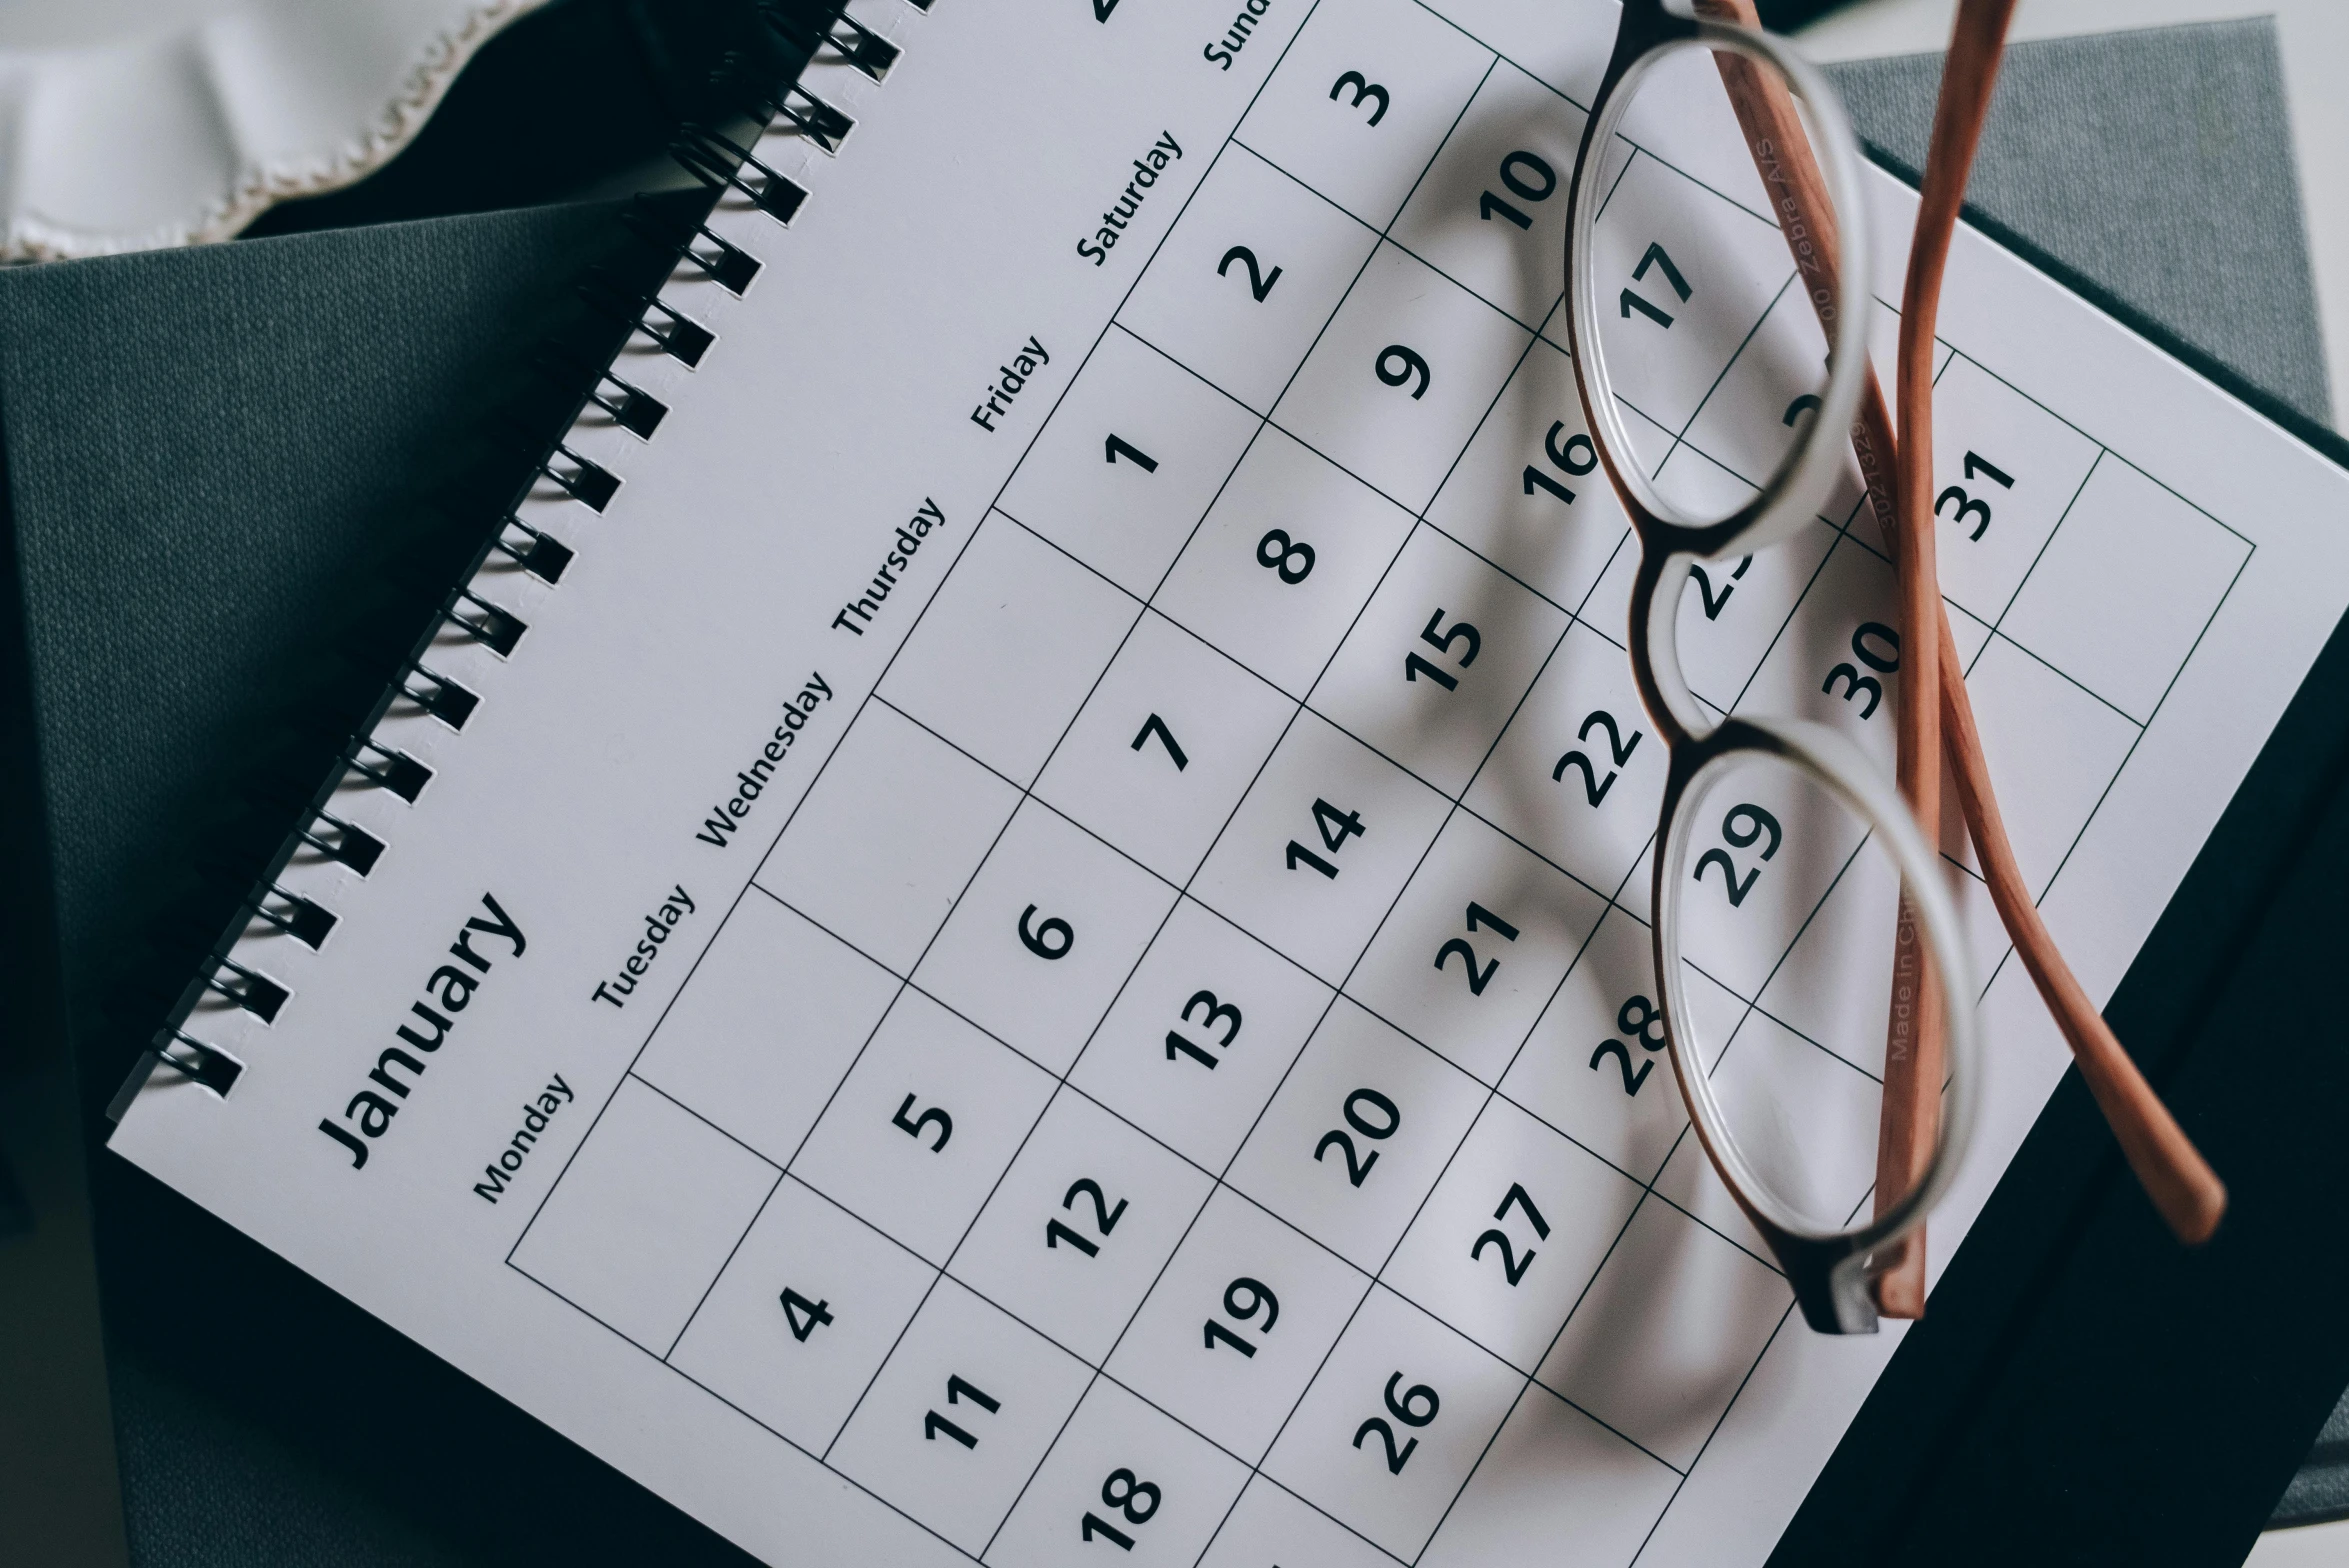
point(994, 976)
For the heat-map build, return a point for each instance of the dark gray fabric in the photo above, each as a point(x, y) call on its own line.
point(208, 453)
point(197, 442)
point(2158, 163)
point(2321, 1490)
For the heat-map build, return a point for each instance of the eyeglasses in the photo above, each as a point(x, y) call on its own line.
point(1656, 301)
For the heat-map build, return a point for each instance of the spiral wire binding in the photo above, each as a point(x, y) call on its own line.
point(721, 164)
point(728, 265)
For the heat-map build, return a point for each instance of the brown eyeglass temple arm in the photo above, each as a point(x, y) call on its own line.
point(2184, 1189)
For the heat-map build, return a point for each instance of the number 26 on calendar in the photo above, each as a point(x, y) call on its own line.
point(1415, 1408)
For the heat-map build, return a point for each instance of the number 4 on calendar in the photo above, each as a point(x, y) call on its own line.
point(804, 1316)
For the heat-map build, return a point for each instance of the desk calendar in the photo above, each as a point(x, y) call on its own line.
point(1038, 954)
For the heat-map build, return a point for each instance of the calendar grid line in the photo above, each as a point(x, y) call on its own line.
point(1705, 185)
point(1028, 801)
point(1431, 265)
point(1312, 1381)
point(1994, 635)
point(1680, 436)
point(1814, 1044)
point(1060, 1432)
point(1534, 1381)
point(1216, 1174)
point(1648, 1187)
point(1149, 609)
point(1500, 55)
point(704, 1120)
point(1026, 790)
point(748, 1416)
point(2066, 676)
point(1637, 152)
point(863, 1046)
point(764, 1199)
point(2093, 439)
point(2137, 740)
point(907, 641)
point(1300, 1498)
point(1718, 1422)
point(2040, 554)
point(1722, 1419)
point(1204, 381)
point(1276, 167)
point(1255, 1468)
point(2088, 821)
point(994, 504)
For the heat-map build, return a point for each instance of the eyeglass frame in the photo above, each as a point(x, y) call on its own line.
point(1828, 1269)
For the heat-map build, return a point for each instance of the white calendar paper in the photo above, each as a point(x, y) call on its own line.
point(921, 1039)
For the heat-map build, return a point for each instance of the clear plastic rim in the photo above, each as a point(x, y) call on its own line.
point(1809, 470)
point(1839, 767)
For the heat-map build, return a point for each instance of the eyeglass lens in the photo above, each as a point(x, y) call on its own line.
point(1712, 349)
